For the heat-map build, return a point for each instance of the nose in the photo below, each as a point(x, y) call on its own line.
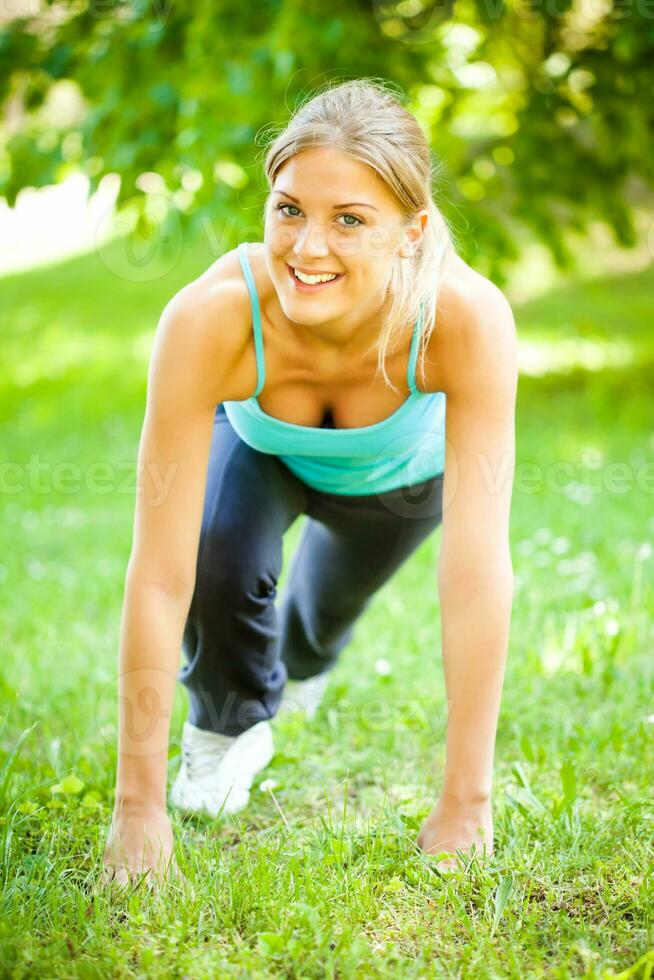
point(312, 242)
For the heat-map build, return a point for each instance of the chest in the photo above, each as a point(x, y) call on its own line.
point(349, 407)
point(336, 393)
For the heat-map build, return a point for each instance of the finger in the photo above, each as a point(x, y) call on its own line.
point(122, 876)
point(105, 877)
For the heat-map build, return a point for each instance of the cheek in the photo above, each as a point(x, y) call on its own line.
point(280, 240)
point(379, 244)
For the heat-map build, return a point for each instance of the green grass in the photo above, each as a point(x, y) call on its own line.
point(336, 887)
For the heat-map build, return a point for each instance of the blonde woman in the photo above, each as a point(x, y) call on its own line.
point(310, 374)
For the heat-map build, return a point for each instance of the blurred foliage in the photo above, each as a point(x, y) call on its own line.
point(538, 112)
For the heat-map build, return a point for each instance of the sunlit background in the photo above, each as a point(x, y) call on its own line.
point(131, 137)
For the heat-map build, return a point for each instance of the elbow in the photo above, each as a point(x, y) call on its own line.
point(172, 584)
point(478, 577)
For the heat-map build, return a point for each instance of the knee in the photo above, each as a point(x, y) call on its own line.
point(320, 627)
point(235, 572)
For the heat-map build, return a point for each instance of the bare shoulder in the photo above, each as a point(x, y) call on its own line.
point(475, 331)
point(209, 322)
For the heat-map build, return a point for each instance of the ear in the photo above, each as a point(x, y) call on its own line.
point(413, 234)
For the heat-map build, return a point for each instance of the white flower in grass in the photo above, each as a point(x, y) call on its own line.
point(612, 627)
point(644, 551)
point(36, 569)
point(30, 520)
point(267, 785)
point(578, 493)
point(383, 667)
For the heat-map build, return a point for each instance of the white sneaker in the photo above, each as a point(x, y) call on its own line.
point(217, 771)
point(305, 695)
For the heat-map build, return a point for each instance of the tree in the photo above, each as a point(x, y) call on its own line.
point(540, 110)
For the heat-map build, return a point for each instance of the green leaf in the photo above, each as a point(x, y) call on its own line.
point(568, 781)
point(272, 943)
point(502, 895)
point(70, 785)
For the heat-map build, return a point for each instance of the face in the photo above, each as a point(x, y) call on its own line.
point(330, 215)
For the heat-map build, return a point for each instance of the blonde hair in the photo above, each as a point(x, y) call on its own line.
point(366, 120)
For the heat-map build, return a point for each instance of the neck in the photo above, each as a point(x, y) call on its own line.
point(353, 334)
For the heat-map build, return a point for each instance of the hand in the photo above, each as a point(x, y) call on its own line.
point(140, 839)
point(453, 825)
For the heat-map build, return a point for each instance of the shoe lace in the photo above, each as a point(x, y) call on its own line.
point(186, 756)
point(202, 760)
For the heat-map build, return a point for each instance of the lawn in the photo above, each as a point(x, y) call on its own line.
point(320, 875)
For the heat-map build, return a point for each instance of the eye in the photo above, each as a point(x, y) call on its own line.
point(284, 208)
point(357, 221)
point(280, 207)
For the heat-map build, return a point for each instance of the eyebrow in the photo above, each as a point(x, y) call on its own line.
point(336, 207)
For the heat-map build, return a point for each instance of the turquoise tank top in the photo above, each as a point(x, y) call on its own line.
point(406, 448)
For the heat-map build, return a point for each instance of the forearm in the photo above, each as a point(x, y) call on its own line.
point(151, 633)
point(475, 630)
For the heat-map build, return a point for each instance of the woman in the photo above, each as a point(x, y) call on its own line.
point(356, 277)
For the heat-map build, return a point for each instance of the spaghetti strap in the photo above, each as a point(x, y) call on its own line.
point(256, 316)
point(413, 353)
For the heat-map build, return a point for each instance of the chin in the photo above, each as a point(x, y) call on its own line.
point(306, 313)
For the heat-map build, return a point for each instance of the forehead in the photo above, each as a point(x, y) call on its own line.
point(325, 175)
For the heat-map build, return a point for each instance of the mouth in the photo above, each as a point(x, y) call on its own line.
point(311, 287)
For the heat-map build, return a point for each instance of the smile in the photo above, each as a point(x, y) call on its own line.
point(306, 283)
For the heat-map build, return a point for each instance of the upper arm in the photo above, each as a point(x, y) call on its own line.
point(188, 360)
point(480, 437)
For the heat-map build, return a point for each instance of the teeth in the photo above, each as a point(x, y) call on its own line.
point(312, 280)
